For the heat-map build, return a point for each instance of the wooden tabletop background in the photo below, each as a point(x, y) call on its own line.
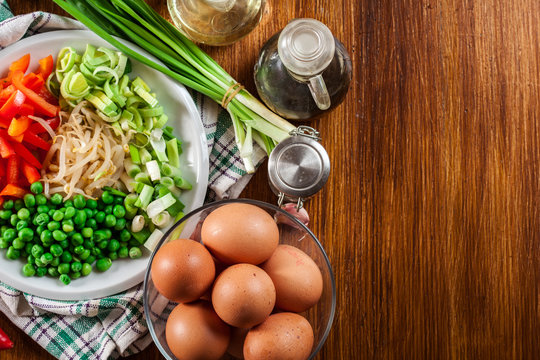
point(431, 215)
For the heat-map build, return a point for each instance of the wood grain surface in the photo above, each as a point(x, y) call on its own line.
point(431, 215)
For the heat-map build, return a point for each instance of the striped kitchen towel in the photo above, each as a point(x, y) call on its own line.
point(114, 326)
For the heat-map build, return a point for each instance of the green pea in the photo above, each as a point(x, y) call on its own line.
point(80, 218)
point(26, 234)
point(23, 214)
point(85, 254)
point(65, 279)
point(70, 212)
point(63, 268)
point(110, 221)
point(58, 215)
point(46, 235)
point(68, 226)
point(120, 224)
point(56, 199)
point(42, 209)
point(100, 216)
point(18, 244)
point(102, 244)
point(125, 235)
point(89, 213)
point(39, 263)
point(30, 259)
point(18, 205)
point(29, 200)
point(21, 224)
point(103, 264)
point(66, 257)
point(36, 187)
point(86, 269)
point(113, 255)
point(119, 211)
point(46, 258)
point(90, 259)
point(76, 266)
point(123, 252)
point(56, 250)
point(55, 262)
point(13, 253)
point(87, 232)
point(28, 270)
point(53, 272)
point(113, 245)
point(76, 239)
point(40, 229)
point(5, 214)
point(135, 253)
point(13, 220)
point(42, 219)
point(68, 203)
point(4, 244)
point(91, 204)
point(107, 197)
point(92, 224)
point(75, 275)
point(89, 244)
point(53, 225)
point(41, 200)
point(9, 234)
point(78, 250)
point(37, 250)
point(79, 201)
point(96, 251)
point(8, 204)
point(59, 235)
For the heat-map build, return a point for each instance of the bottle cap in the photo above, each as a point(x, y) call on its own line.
point(299, 166)
point(306, 47)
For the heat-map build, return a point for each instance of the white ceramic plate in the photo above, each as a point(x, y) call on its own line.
point(183, 116)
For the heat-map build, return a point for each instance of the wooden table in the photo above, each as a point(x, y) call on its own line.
point(431, 215)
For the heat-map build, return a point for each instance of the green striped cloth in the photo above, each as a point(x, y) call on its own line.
point(114, 326)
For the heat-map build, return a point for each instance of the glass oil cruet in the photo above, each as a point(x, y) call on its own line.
point(216, 22)
point(303, 70)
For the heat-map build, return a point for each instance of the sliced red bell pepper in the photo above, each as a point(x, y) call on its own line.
point(6, 149)
point(12, 105)
point(30, 172)
point(12, 170)
point(21, 64)
point(26, 154)
point(46, 94)
point(40, 103)
point(33, 81)
point(37, 128)
point(31, 138)
point(18, 138)
point(6, 92)
point(26, 109)
point(2, 169)
point(1, 203)
point(46, 66)
point(18, 125)
point(13, 190)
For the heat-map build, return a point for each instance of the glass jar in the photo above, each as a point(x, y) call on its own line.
point(303, 71)
point(216, 22)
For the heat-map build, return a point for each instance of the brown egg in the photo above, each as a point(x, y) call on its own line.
point(298, 280)
point(283, 336)
point(236, 344)
point(240, 233)
point(194, 332)
point(243, 295)
point(183, 270)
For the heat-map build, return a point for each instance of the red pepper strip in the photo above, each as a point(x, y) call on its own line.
point(12, 190)
point(2, 168)
point(31, 138)
point(12, 105)
point(46, 66)
point(39, 103)
point(18, 138)
point(6, 149)
point(33, 81)
point(18, 125)
point(6, 92)
point(37, 128)
point(26, 155)
point(30, 172)
point(46, 94)
point(13, 170)
point(1, 202)
point(21, 64)
point(26, 109)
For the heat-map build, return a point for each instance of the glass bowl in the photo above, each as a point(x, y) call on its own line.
point(292, 232)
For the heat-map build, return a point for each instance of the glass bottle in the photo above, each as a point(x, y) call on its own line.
point(216, 22)
point(303, 70)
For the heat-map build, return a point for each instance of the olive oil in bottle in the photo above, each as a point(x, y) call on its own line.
point(216, 22)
